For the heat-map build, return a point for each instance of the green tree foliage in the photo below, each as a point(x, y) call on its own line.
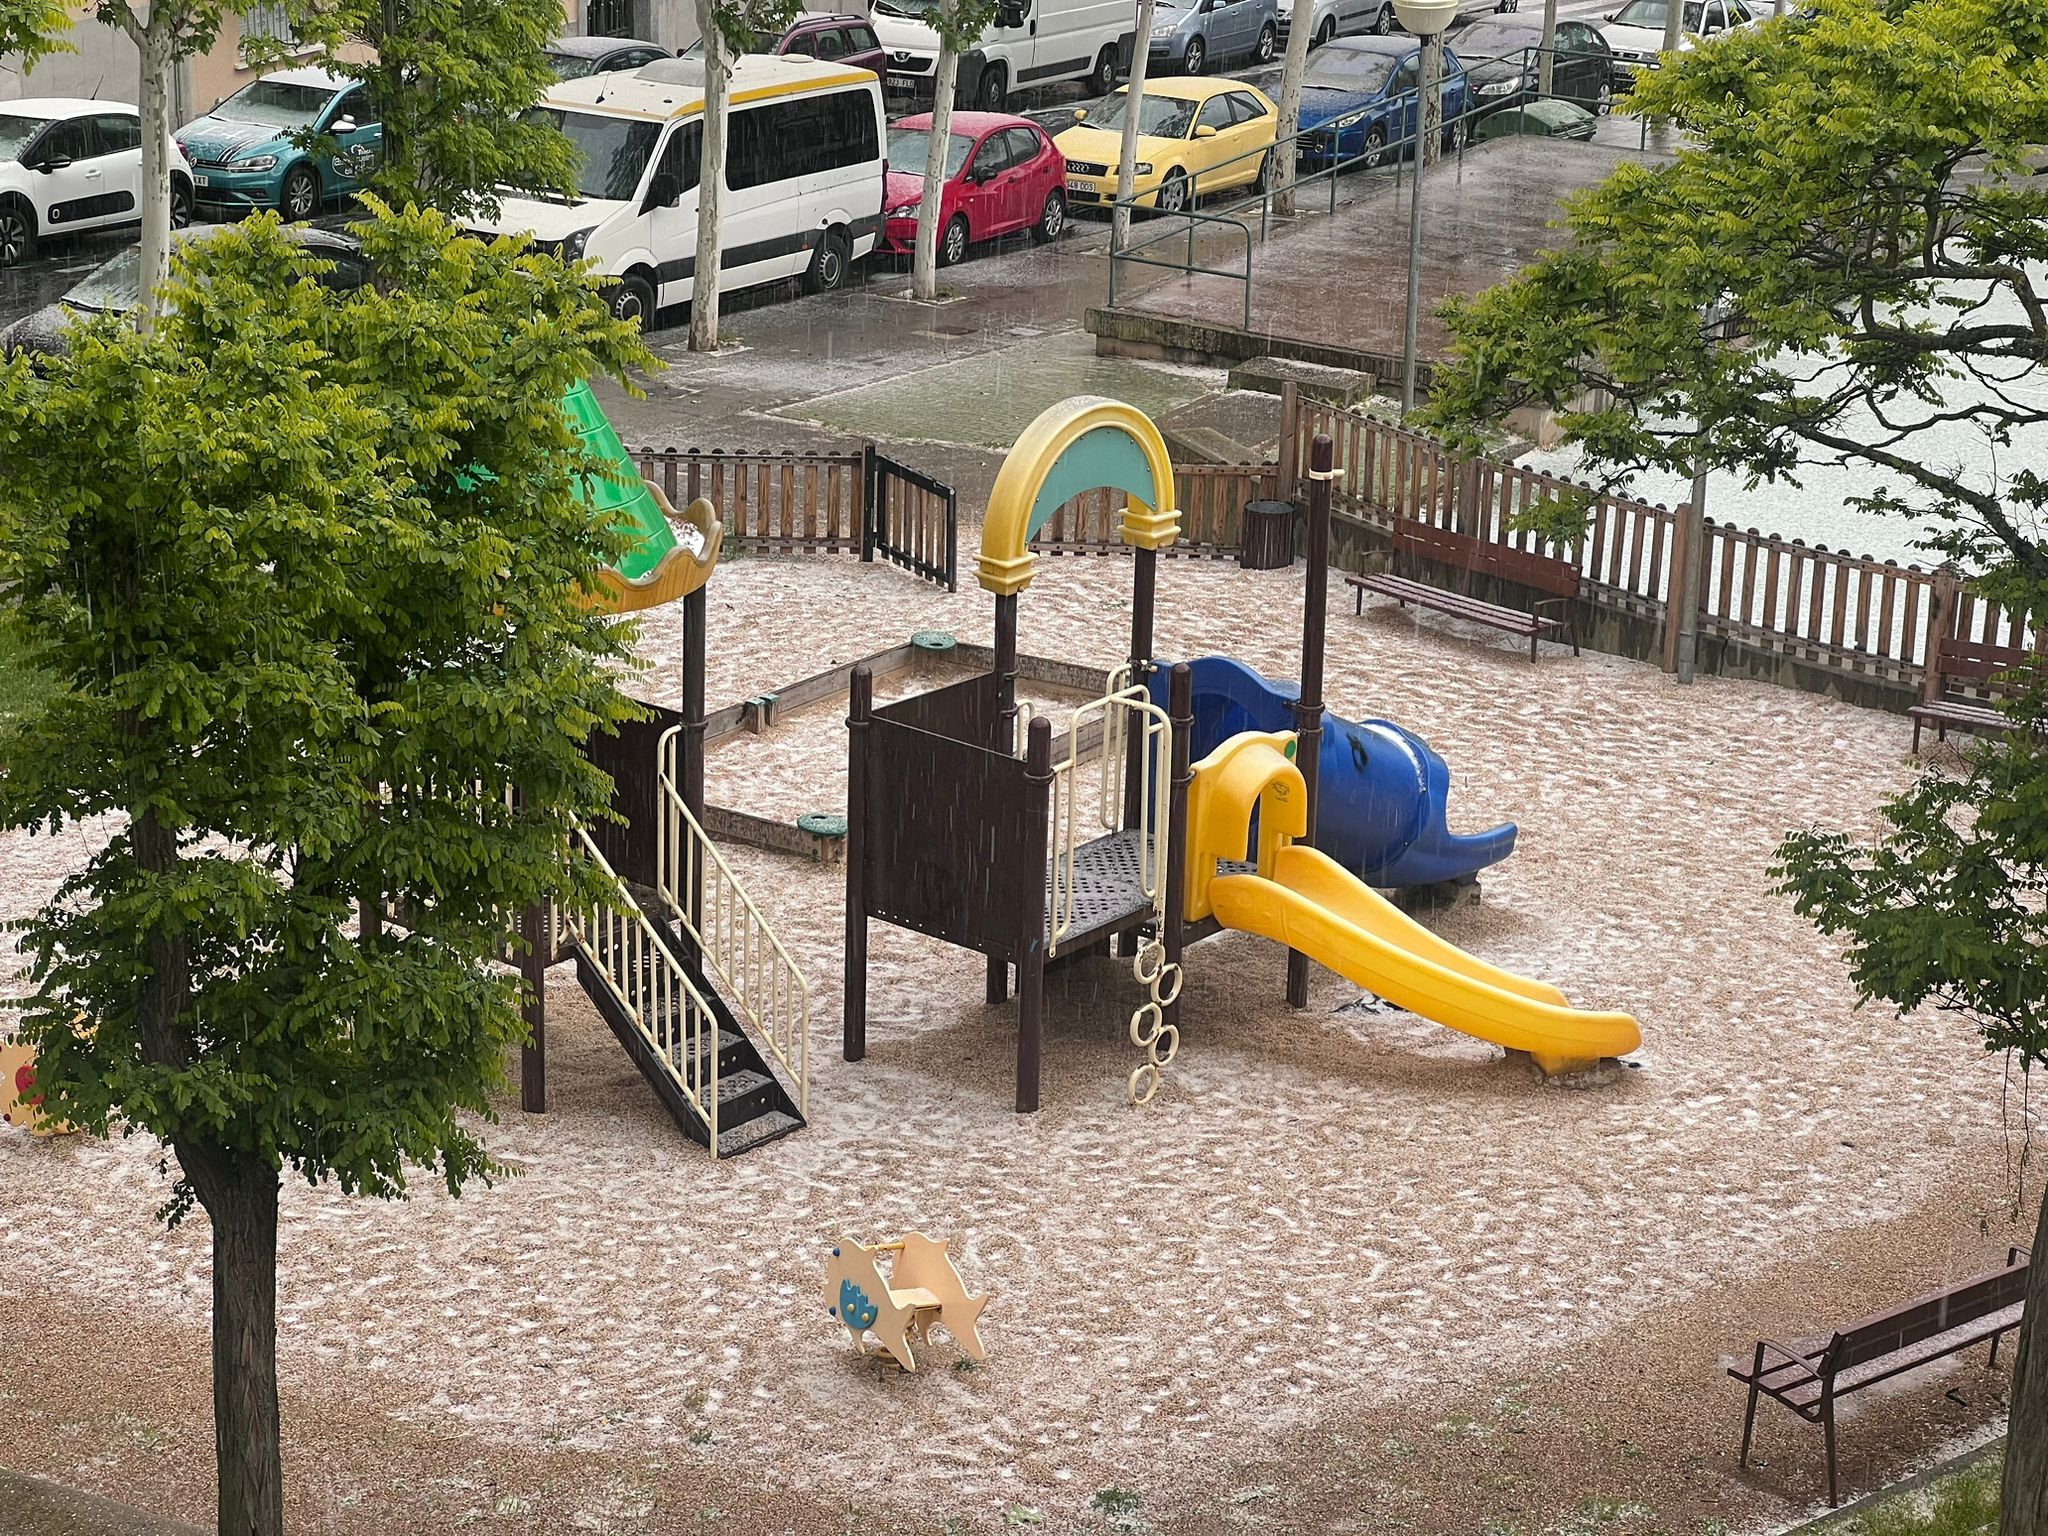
point(451, 81)
point(33, 29)
point(1854, 198)
point(304, 568)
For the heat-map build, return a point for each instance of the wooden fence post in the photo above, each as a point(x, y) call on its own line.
point(1941, 623)
point(1682, 586)
point(1290, 440)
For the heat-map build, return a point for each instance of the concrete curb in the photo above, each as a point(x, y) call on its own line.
point(37, 1507)
point(1957, 1463)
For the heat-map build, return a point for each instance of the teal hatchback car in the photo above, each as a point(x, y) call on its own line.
point(246, 153)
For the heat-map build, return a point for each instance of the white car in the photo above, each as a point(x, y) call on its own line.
point(70, 164)
point(1636, 32)
point(1341, 18)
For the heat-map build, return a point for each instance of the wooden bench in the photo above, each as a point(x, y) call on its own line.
point(1809, 1376)
point(1943, 709)
point(1417, 541)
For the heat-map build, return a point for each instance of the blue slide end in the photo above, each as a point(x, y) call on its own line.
point(1381, 810)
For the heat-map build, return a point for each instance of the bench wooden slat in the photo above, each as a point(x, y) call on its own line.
point(1416, 539)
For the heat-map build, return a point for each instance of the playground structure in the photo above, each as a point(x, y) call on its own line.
point(922, 1288)
point(952, 834)
point(20, 1105)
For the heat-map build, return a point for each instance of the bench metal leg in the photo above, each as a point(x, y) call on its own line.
point(1532, 645)
point(1572, 629)
point(1748, 1429)
point(1916, 738)
point(1834, 1485)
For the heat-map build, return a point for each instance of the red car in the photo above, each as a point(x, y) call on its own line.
point(1002, 174)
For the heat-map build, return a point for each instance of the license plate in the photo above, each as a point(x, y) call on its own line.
point(1075, 184)
point(201, 181)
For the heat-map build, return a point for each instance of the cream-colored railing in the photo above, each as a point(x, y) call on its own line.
point(645, 980)
point(1126, 708)
point(757, 978)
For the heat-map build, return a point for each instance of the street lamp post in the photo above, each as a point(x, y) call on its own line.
point(1426, 19)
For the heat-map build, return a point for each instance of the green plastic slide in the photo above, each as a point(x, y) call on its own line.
point(666, 561)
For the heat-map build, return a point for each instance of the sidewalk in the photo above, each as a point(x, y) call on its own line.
point(29, 1506)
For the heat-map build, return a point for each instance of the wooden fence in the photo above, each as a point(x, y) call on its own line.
point(1212, 500)
point(772, 500)
point(1783, 596)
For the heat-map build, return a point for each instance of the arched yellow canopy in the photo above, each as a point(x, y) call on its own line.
point(1080, 444)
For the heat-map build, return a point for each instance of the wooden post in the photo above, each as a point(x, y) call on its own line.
point(1308, 710)
point(1144, 599)
point(1682, 580)
point(1006, 676)
point(534, 936)
point(1180, 694)
point(860, 701)
point(1031, 958)
point(1941, 623)
point(1290, 440)
point(870, 500)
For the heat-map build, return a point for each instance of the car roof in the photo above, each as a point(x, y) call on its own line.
point(675, 87)
point(60, 107)
point(968, 124)
point(1390, 47)
point(598, 47)
point(826, 19)
point(1194, 87)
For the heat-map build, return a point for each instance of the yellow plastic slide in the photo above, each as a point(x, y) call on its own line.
point(1315, 905)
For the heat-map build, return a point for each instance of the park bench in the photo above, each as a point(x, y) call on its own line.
point(1944, 709)
point(1810, 1376)
point(1418, 541)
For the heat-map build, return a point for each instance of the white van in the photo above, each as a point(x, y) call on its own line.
point(803, 177)
point(1031, 42)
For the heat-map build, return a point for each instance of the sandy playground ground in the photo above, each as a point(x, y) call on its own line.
point(1350, 1271)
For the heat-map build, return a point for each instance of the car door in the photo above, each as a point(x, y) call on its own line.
point(1713, 20)
point(1227, 27)
point(981, 192)
point(1208, 151)
point(672, 225)
point(1026, 181)
point(864, 49)
point(1582, 61)
point(120, 142)
point(831, 44)
point(356, 143)
point(1252, 128)
point(1401, 98)
point(68, 181)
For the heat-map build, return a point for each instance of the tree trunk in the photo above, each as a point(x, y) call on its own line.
point(1545, 65)
point(924, 262)
point(710, 180)
point(2023, 1509)
point(1429, 105)
point(240, 1196)
point(1127, 155)
point(1301, 23)
point(154, 44)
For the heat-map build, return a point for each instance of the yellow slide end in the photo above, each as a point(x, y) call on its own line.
point(684, 566)
point(1315, 905)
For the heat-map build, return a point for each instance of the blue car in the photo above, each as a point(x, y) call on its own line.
point(1358, 101)
point(245, 153)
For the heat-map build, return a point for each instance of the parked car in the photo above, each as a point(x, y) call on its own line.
point(847, 40)
point(1550, 118)
point(1031, 42)
point(246, 153)
point(1333, 17)
point(68, 164)
point(1195, 137)
point(803, 177)
point(1358, 101)
point(1635, 33)
point(575, 57)
point(1186, 36)
point(115, 287)
point(1003, 174)
point(1503, 55)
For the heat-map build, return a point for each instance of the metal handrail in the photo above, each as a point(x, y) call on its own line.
point(1125, 703)
point(761, 979)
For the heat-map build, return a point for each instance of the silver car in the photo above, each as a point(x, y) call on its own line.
point(1185, 37)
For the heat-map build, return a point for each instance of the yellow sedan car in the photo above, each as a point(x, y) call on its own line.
point(1195, 137)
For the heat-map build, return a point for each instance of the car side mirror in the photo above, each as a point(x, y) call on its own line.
point(51, 163)
point(1205, 130)
point(1011, 13)
point(1080, 113)
point(665, 191)
point(343, 124)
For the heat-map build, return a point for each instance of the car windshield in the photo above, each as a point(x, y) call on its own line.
point(1160, 117)
point(570, 66)
point(1651, 14)
point(1480, 45)
point(15, 132)
point(276, 104)
point(612, 151)
point(1343, 69)
point(916, 10)
point(117, 286)
point(909, 147)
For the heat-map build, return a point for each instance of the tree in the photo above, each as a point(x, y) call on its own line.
point(309, 594)
point(959, 25)
point(1134, 109)
point(1854, 201)
point(451, 82)
point(1301, 23)
point(728, 29)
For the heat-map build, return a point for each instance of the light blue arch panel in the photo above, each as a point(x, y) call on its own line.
point(1101, 456)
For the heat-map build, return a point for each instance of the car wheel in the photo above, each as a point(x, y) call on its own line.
point(17, 231)
point(299, 198)
point(1262, 53)
point(632, 298)
point(1383, 19)
point(1375, 146)
point(1103, 80)
point(1454, 135)
point(953, 241)
point(1603, 99)
point(1325, 32)
point(992, 89)
point(1052, 218)
point(1172, 196)
point(181, 203)
point(1197, 55)
point(829, 266)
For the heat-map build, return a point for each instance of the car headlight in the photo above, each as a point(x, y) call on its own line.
point(1142, 168)
point(904, 210)
point(1167, 31)
point(257, 163)
point(572, 245)
point(1350, 120)
point(1499, 87)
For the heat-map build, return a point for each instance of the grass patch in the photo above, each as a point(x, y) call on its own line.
point(1964, 1503)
